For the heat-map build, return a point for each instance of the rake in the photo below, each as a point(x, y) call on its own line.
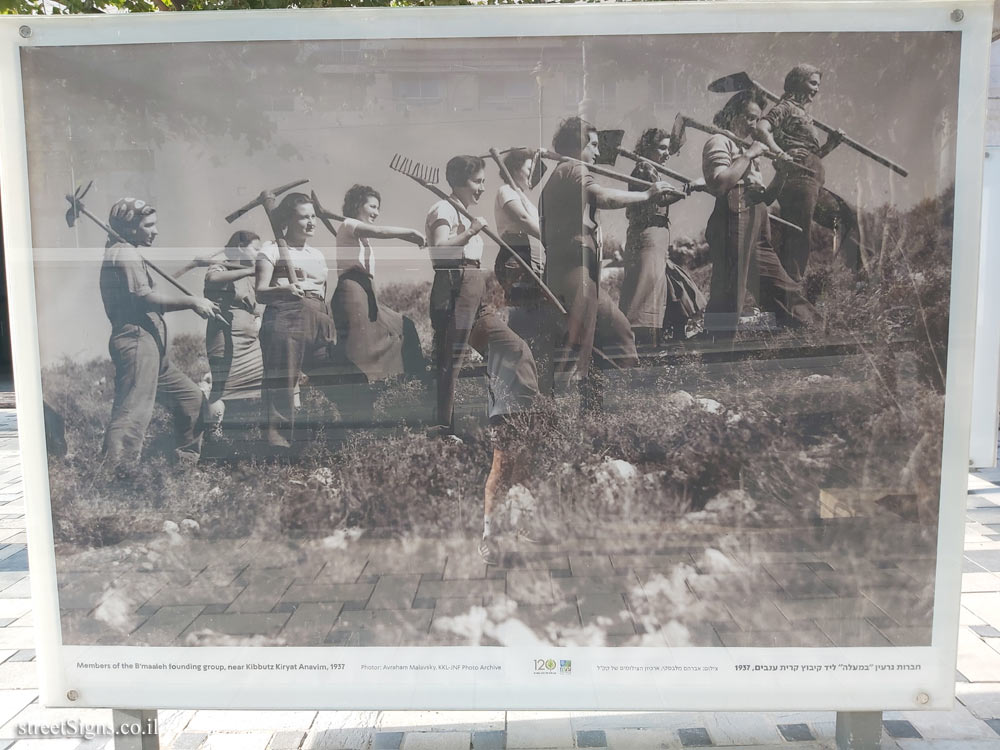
point(428, 177)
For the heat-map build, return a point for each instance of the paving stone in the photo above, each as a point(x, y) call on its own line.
point(394, 592)
point(646, 738)
point(530, 586)
point(903, 607)
point(591, 565)
point(986, 559)
point(310, 623)
point(798, 581)
point(763, 615)
point(608, 612)
point(261, 595)
point(694, 737)
point(534, 729)
point(19, 675)
point(25, 654)
point(463, 566)
point(195, 594)
point(166, 625)
point(286, 741)
point(241, 741)
point(591, 738)
point(900, 729)
point(13, 701)
point(828, 608)
point(981, 698)
point(956, 724)
point(19, 589)
point(189, 741)
point(387, 741)
point(577, 585)
point(908, 636)
point(985, 631)
point(854, 632)
point(437, 740)
point(14, 636)
point(460, 589)
point(549, 618)
point(802, 637)
point(333, 592)
point(240, 624)
point(796, 732)
point(489, 740)
point(980, 582)
point(251, 721)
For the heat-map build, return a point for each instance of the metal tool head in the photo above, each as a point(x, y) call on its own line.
point(678, 134)
point(732, 83)
point(415, 169)
point(262, 198)
point(76, 203)
point(322, 213)
point(608, 143)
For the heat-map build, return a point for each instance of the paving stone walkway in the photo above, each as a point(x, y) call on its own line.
point(311, 593)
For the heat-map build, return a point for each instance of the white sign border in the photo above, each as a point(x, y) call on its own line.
point(769, 690)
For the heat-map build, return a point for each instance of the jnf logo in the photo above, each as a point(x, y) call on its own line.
point(565, 666)
point(545, 666)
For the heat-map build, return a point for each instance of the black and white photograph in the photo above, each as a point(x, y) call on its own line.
point(561, 341)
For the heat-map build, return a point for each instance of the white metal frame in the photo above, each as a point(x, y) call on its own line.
point(986, 377)
point(713, 684)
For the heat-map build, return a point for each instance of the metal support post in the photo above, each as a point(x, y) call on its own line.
point(135, 729)
point(858, 730)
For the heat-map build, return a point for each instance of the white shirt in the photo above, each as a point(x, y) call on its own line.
point(353, 251)
point(504, 220)
point(310, 267)
point(443, 211)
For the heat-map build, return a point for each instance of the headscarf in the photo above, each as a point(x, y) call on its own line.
point(126, 215)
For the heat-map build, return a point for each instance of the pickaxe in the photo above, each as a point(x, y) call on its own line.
point(610, 145)
point(267, 199)
point(428, 177)
point(596, 169)
point(682, 121)
point(324, 215)
point(743, 82)
point(619, 151)
point(76, 208)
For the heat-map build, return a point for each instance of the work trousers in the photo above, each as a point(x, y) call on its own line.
point(297, 336)
point(592, 320)
point(798, 197)
point(460, 321)
point(143, 375)
point(743, 259)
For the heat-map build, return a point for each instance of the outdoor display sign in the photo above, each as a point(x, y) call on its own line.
point(560, 357)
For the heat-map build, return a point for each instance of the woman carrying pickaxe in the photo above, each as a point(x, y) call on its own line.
point(787, 130)
point(738, 232)
point(135, 304)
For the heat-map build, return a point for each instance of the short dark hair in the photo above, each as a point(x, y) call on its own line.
point(515, 158)
point(460, 169)
point(241, 239)
point(571, 136)
point(648, 140)
point(283, 213)
point(736, 106)
point(795, 81)
point(356, 196)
